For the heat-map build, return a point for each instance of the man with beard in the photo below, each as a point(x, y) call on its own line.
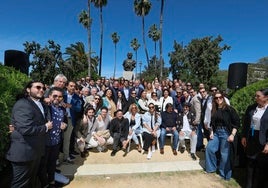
point(29, 119)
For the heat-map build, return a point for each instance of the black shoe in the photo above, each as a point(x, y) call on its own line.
point(113, 153)
point(83, 154)
point(182, 150)
point(58, 170)
point(193, 156)
point(71, 157)
point(74, 153)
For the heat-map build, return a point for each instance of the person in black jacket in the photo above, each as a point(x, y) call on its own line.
point(224, 125)
point(28, 139)
point(119, 127)
point(255, 140)
point(168, 125)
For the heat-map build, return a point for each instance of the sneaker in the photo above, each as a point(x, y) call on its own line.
point(57, 162)
point(99, 148)
point(61, 178)
point(68, 160)
point(153, 148)
point(71, 157)
point(149, 156)
point(193, 156)
point(113, 153)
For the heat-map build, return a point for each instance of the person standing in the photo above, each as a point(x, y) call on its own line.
point(73, 105)
point(224, 125)
point(57, 114)
point(255, 139)
point(29, 119)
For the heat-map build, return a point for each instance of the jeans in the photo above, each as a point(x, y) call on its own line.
point(199, 133)
point(219, 142)
point(163, 138)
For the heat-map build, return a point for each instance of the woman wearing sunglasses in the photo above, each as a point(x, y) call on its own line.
point(224, 125)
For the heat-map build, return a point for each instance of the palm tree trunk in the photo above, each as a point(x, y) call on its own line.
point(114, 60)
point(101, 39)
point(160, 40)
point(89, 40)
point(143, 38)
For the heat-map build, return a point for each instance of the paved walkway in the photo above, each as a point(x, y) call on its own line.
point(128, 168)
point(103, 164)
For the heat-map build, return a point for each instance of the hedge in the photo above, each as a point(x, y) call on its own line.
point(11, 83)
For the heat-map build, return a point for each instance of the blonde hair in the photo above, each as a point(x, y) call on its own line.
point(133, 105)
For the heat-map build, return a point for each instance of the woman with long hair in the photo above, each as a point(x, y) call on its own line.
point(149, 89)
point(135, 128)
point(224, 125)
point(109, 102)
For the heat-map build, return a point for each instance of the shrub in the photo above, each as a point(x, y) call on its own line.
point(246, 96)
point(11, 83)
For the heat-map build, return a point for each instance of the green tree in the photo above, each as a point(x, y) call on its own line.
point(86, 21)
point(46, 62)
point(99, 4)
point(154, 34)
point(201, 58)
point(134, 43)
point(149, 72)
point(178, 68)
point(76, 62)
point(115, 39)
point(142, 8)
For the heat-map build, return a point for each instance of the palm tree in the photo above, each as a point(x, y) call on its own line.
point(76, 60)
point(115, 39)
point(154, 34)
point(142, 8)
point(161, 39)
point(85, 20)
point(99, 4)
point(134, 43)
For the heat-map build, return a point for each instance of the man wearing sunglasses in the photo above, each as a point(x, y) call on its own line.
point(29, 119)
point(54, 137)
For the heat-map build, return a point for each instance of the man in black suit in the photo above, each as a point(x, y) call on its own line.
point(137, 89)
point(29, 118)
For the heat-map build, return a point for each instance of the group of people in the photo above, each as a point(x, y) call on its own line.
point(87, 114)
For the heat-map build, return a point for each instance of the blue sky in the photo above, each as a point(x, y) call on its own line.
point(241, 23)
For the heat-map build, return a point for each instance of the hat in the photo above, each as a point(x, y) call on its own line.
point(187, 104)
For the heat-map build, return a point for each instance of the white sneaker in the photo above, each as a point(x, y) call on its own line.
point(61, 178)
point(153, 148)
point(149, 156)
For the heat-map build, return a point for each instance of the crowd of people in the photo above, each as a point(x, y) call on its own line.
point(74, 116)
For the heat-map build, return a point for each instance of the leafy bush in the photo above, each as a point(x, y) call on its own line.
point(246, 96)
point(11, 83)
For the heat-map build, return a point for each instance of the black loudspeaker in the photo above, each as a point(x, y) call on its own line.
point(237, 75)
point(17, 59)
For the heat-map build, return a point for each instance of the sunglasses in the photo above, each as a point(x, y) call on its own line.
point(40, 87)
point(57, 96)
point(216, 98)
point(133, 93)
point(213, 90)
point(97, 98)
point(151, 107)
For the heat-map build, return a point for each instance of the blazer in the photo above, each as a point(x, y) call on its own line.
point(76, 109)
point(190, 118)
point(263, 134)
point(29, 136)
